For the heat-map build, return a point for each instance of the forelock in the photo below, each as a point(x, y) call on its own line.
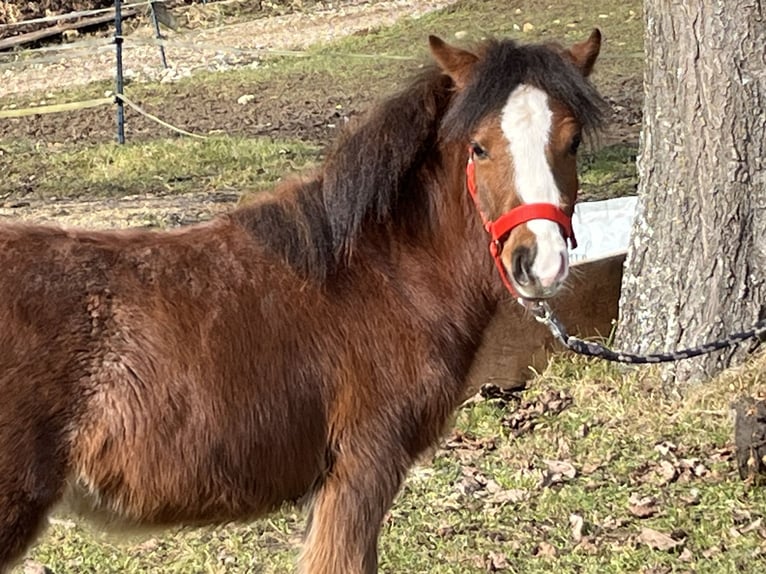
point(502, 67)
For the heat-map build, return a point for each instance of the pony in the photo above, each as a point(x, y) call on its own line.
point(307, 348)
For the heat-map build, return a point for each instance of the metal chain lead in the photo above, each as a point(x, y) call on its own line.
point(543, 313)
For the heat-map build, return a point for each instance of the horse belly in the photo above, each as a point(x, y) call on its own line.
point(142, 463)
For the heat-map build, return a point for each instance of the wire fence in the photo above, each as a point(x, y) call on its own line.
point(45, 55)
point(87, 47)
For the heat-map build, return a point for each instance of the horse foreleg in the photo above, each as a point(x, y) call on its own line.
point(347, 513)
point(31, 482)
point(22, 517)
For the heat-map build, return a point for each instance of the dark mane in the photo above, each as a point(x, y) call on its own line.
point(314, 224)
point(370, 174)
point(503, 66)
point(396, 135)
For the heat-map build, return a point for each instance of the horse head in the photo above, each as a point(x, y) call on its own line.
point(521, 112)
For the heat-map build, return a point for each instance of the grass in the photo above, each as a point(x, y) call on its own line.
point(483, 500)
point(608, 171)
point(169, 165)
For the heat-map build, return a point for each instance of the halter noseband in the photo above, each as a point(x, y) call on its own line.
point(501, 228)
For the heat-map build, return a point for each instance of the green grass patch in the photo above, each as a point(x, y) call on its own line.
point(608, 171)
point(173, 165)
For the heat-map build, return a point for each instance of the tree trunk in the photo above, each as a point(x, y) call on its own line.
point(696, 265)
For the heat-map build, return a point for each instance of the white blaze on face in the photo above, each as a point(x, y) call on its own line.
point(526, 123)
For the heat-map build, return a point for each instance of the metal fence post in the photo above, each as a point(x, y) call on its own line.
point(119, 87)
point(157, 33)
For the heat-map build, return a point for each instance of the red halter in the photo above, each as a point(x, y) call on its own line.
point(500, 228)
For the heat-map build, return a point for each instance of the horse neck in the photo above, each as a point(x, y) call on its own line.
point(447, 251)
point(460, 231)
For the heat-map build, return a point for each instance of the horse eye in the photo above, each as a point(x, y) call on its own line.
point(478, 151)
point(576, 141)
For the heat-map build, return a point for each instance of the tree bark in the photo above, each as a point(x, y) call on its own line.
point(696, 265)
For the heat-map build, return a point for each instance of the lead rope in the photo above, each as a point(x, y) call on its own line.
point(544, 314)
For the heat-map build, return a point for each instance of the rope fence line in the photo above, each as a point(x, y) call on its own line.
point(85, 48)
point(262, 51)
point(154, 118)
point(54, 108)
point(85, 104)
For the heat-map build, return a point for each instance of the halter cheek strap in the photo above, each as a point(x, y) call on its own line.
point(500, 228)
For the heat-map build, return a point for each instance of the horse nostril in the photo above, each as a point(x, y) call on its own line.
point(521, 265)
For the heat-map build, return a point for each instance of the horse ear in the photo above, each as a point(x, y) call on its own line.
point(456, 62)
point(584, 54)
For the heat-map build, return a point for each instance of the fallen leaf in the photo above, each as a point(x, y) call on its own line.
point(32, 567)
point(496, 562)
point(691, 499)
point(556, 472)
point(694, 466)
point(612, 523)
point(561, 467)
point(469, 486)
point(492, 487)
point(665, 447)
point(524, 418)
point(586, 545)
point(511, 495)
point(467, 455)
point(590, 467)
point(686, 555)
point(642, 507)
point(754, 525)
point(576, 523)
point(712, 551)
point(667, 472)
point(545, 550)
point(464, 440)
point(490, 391)
point(724, 454)
point(245, 99)
point(657, 540)
point(740, 516)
